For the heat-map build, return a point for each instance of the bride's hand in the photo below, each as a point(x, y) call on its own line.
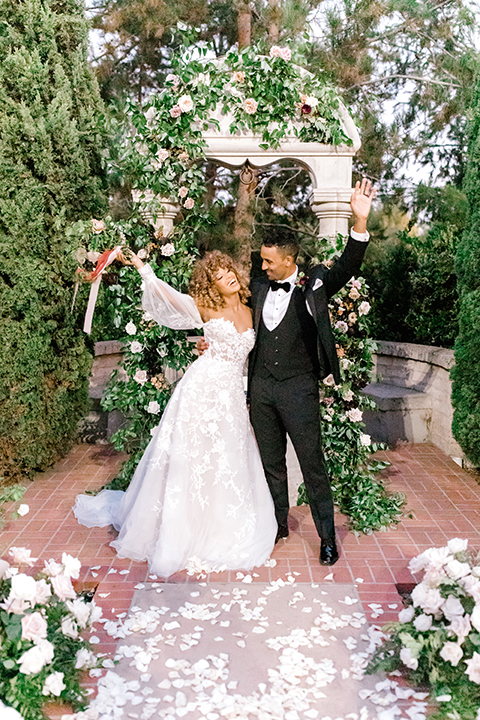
point(128, 257)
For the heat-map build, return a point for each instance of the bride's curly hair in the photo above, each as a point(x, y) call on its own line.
point(202, 282)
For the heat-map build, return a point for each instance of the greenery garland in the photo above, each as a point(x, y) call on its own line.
point(272, 97)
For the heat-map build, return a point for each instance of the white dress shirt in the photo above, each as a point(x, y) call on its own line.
point(276, 302)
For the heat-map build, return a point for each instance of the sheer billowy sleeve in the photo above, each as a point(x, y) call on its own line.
point(168, 306)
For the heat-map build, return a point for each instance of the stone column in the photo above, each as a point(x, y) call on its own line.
point(332, 207)
point(150, 205)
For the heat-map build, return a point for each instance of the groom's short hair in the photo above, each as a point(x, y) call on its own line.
point(284, 240)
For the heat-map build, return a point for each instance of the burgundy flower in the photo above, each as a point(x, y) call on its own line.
point(306, 109)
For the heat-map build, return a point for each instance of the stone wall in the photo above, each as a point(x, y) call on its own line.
point(424, 370)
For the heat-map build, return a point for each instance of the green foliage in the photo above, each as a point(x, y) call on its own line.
point(10, 494)
point(357, 492)
point(50, 175)
point(412, 277)
point(465, 374)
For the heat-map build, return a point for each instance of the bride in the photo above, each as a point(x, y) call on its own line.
point(199, 493)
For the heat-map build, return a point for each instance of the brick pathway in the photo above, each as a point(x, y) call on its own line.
point(443, 500)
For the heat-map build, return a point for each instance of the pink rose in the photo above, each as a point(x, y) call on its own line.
point(185, 103)
point(63, 588)
point(238, 76)
point(189, 203)
point(250, 106)
point(183, 192)
point(275, 51)
point(14, 605)
point(176, 111)
point(98, 226)
point(34, 627)
point(286, 54)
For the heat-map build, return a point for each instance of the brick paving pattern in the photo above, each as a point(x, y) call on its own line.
point(443, 501)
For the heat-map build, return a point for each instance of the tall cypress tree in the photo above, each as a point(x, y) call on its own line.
point(50, 175)
point(466, 373)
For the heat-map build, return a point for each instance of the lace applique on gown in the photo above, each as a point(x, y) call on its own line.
point(199, 490)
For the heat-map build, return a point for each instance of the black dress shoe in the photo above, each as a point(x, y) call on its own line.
point(282, 532)
point(328, 552)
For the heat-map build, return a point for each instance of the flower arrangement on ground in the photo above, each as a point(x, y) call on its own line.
point(42, 653)
point(436, 640)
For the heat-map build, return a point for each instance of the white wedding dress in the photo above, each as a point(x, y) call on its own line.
point(199, 495)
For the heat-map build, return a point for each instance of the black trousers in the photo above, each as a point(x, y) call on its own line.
point(291, 406)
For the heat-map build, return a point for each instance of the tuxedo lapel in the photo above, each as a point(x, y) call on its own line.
point(262, 294)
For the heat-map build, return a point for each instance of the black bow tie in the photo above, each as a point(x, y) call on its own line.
point(274, 285)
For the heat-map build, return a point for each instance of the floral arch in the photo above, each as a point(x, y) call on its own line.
point(243, 107)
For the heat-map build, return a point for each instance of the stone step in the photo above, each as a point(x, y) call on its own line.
point(402, 414)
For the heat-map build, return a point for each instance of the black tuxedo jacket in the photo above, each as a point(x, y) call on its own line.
point(322, 283)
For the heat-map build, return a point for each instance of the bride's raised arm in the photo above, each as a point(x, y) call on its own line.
point(166, 306)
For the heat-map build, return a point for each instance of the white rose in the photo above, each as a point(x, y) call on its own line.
point(452, 653)
point(140, 377)
point(42, 592)
point(475, 617)
point(63, 588)
point(423, 622)
point(80, 611)
point(130, 328)
point(354, 294)
point(460, 626)
point(136, 347)
point(355, 415)
point(5, 569)
point(150, 114)
point(167, 249)
point(21, 556)
point(185, 103)
point(23, 587)
point(52, 568)
point(473, 665)
point(33, 660)
point(457, 545)
point(142, 254)
point(365, 440)
point(54, 684)
point(17, 606)
point(9, 713)
point(23, 510)
point(329, 380)
point(85, 659)
point(456, 569)
point(34, 627)
point(429, 599)
point(348, 396)
point(69, 627)
point(153, 407)
point(311, 100)
point(471, 585)
point(406, 615)
point(345, 363)
point(452, 607)
point(407, 659)
point(341, 325)
point(364, 308)
point(71, 566)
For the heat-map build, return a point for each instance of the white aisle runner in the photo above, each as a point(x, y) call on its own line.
point(277, 651)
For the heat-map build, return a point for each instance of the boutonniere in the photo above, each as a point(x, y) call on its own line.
point(301, 280)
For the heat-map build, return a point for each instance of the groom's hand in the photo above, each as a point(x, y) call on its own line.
point(202, 346)
point(361, 202)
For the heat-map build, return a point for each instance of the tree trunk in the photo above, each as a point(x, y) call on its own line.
point(244, 217)
point(275, 14)
point(244, 23)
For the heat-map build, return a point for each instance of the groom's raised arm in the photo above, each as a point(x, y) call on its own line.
point(351, 259)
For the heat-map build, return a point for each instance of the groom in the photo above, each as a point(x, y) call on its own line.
point(294, 349)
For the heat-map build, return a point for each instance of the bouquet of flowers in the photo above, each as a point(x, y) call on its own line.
point(437, 638)
point(42, 653)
